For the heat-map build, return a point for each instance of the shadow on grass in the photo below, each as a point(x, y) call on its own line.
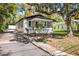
point(72, 49)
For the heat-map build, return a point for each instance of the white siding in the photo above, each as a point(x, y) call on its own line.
point(25, 25)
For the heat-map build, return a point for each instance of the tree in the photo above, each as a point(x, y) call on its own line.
point(46, 8)
point(66, 11)
point(7, 10)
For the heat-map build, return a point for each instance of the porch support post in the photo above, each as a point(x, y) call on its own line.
point(46, 24)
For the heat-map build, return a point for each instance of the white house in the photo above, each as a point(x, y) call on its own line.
point(35, 24)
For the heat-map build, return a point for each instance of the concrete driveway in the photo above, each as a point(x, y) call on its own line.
point(13, 48)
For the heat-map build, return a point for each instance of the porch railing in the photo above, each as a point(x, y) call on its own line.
point(37, 30)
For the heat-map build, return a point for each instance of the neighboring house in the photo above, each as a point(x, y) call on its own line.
point(35, 24)
point(59, 26)
point(75, 24)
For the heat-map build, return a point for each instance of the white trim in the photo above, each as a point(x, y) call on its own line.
point(43, 30)
point(38, 19)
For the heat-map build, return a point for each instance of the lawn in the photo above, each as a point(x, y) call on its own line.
point(60, 32)
point(65, 33)
point(67, 44)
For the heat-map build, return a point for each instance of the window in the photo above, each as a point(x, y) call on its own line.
point(29, 23)
point(48, 25)
point(62, 27)
point(36, 24)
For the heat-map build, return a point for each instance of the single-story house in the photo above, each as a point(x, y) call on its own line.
point(35, 24)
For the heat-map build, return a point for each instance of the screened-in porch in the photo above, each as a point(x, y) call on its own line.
point(40, 26)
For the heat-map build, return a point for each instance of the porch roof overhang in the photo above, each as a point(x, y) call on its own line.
point(75, 20)
point(39, 19)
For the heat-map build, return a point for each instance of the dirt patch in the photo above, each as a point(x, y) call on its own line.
point(67, 44)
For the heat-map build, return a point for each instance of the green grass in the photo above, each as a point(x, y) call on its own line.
point(65, 33)
point(60, 33)
point(76, 33)
point(69, 47)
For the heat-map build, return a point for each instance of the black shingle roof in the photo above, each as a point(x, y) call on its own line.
point(36, 16)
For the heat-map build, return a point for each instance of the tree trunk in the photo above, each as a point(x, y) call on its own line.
point(68, 21)
point(69, 28)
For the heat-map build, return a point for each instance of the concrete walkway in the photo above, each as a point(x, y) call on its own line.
point(52, 50)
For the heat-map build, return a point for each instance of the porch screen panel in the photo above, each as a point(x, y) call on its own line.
point(30, 24)
point(48, 25)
